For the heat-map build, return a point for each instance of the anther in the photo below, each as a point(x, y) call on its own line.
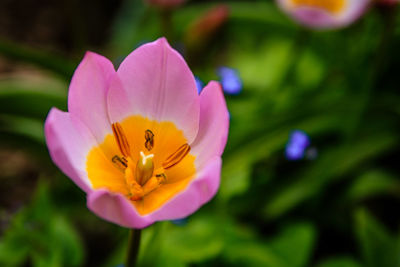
point(149, 136)
point(120, 137)
point(121, 163)
point(176, 157)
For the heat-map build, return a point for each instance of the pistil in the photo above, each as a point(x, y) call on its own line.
point(144, 168)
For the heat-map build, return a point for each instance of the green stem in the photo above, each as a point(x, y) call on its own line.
point(133, 247)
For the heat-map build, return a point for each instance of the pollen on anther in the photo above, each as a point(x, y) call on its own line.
point(121, 139)
point(149, 137)
point(121, 163)
point(176, 157)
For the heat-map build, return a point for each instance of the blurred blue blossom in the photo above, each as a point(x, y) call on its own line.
point(311, 153)
point(199, 84)
point(180, 222)
point(230, 80)
point(297, 144)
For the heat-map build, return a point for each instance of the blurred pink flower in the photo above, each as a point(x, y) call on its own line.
point(140, 141)
point(324, 14)
point(204, 28)
point(165, 3)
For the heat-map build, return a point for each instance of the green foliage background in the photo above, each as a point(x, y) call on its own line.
point(338, 210)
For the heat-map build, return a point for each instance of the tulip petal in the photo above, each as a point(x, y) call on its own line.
point(355, 9)
point(319, 18)
point(88, 91)
point(69, 141)
point(214, 124)
point(116, 208)
point(314, 18)
point(154, 81)
point(201, 190)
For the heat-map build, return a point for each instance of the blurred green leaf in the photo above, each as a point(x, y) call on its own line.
point(263, 13)
point(31, 95)
point(40, 234)
point(135, 24)
point(378, 246)
point(310, 70)
point(198, 240)
point(237, 166)
point(292, 247)
point(373, 183)
point(54, 63)
point(26, 127)
point(295, 244)
point(340, 262)
point(330, 166)
point(275, 53)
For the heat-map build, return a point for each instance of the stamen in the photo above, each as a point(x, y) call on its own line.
point(176, 157)
point(144, 168)
point(137, 191)
point(121, 163)
point(149, 136)
point(120, 137)
point(154, 183)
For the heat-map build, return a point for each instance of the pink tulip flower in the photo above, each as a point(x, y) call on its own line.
point(324, 14)
point(140, 141)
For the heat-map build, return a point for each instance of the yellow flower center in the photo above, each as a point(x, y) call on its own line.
point(332, 6)
point(147, 161)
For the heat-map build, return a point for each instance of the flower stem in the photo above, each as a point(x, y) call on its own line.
point(133, 247)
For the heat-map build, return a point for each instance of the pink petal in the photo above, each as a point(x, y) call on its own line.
point(214, 125)
point(155, 82)
point(355, 10)
point(201, 190)
point(314, 17)
point(116, 208)
point(319, 18)
point(87, 93)
point(69, 141)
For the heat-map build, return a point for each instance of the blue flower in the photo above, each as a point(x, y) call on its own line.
point(297, 145)
point(180, 222)
point(199, 84)
point(230, 80)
